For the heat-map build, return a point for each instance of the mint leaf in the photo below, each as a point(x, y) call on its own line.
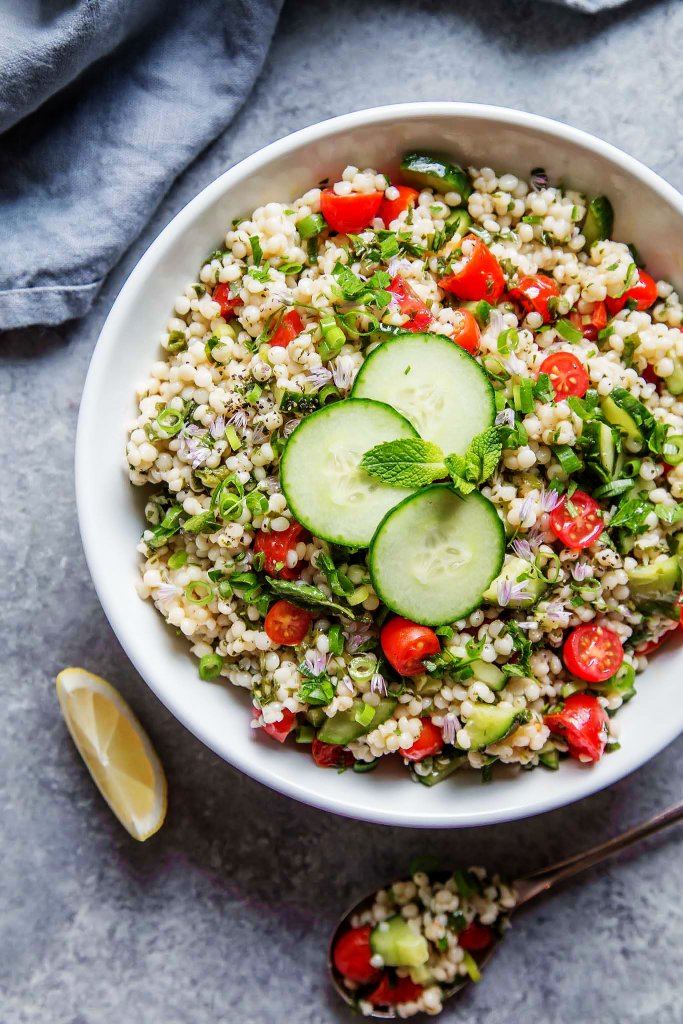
point(308, 596)
point(669, 513)
point(631, 515)
point(478, 463)
point(457, 468)
point(410, 462)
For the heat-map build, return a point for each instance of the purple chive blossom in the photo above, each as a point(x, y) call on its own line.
point(217, 428)
point(239, 420)
point(580, 571)
point(166, 592)
point(344, 372)
point(347, 684)
point(528, 625)
point(522, 548)
point(357, 634)
point(549, 499)
point(538, 179)
point(290, 427)
point(260, 434)
point(509, 591)
point(525, 509)
point(317, 379)
point(449, 728)
point(378, 684)
point(315, 661)
point(270, 485)
point(555, 612)
point(505, 418)
point(397, 266)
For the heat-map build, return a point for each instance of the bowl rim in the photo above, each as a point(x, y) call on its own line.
point(585, 783)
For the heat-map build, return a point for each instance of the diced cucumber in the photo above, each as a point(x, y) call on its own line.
point(601, 450)
point(316, 716)
point(675, 382)
point(458, 222)
point(320, 470)
point(513, 571)
point(490, 723)
point(622, 682)
point(434, 555)
point(656, 587)
point(629, 415)
point(343, 727)
point(440, 768)
point(398, 945)
point(421, 975)
point(434, 383)
point(429, 170)
point(488, 673)
point(599, 221)
point(549, 756)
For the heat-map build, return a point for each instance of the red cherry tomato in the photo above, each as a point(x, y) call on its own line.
point(653, 645)
point(275, 547)
point(533, 293)
point(475, 937)
point(410, 304)
point(389, 993)
point(582, 725)
point(331, 755)
point(406, 645)
point(352, 956)
point(599, 316)
point(580, 530)
point(221, 295)
point(477, 275)
point(286, 624)
point(466, 331)
point(590, 328)
point(644, 292)
point(289, 328)
point(278, 730)
point(391, 208)
point(567, 375)
point(429, 742)
point(350, 213)
point(650, 376)
point(593, 653)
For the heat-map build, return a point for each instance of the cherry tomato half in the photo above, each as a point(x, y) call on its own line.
point(567, 374)
point(330, 755)
point(466, 331)
point(278, 730)
point(533, 293)
point(391, 208)
point(582, 529)
point(593, 653)
point(389, 993)
point(352, 956)
point(406, 645)
point(477, 275)
point(653, 645)
point(289, 328)
point(475, 937)
point(644, 293)
point(409, 304)
point(429, 742)
point(286, 624)
point(350, 213)
point(221, 295)
point(275, 547)
point(582, 725)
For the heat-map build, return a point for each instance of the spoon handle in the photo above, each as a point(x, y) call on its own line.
point(541, 881)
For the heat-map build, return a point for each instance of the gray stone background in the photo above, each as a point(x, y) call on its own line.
point(224, 916)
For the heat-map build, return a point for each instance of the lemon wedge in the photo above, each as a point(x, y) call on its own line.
point(116, 750)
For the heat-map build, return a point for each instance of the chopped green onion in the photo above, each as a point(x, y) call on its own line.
point(210, 667)
point(328, 394)
point(567, 330)
point(169, 422)
point(614, 488)
point(567, 689)
point(256, 250)
point(215, 575)
point(177, 341)
point(336, 640)
point(508, 341)
point(672, 450)
point(471, 966)
point(365, 714)
point(305, 734)
point(464, 883)
point(225, 589)
point(177, 559)
point(199, 592)
point(363, 667)
point(333, 338)
point(232, 437)
point(567, 458)
point(631, 467)
point(257, 503)
point(290, 268)
point(500, 399)
point(254, 393)
point(359, 595)
point(523, 396)
point(310, 226)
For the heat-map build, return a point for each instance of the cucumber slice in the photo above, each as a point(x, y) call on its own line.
point(434, 555)
point(675, 382)
point(434, 383)
point(623, 682)
point(601, 451)
point(549, 757)
point(490, 674)
point(398, 945)
point(656, 587)
point(320, 476)
point(513, 570)
point(343, 728)
point(428, 170)
point(458, 222)
point(441, 767)
point(490, 723)
point(615, 413)
point(599, 221)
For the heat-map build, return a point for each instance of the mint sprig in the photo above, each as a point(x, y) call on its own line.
point(412, 462)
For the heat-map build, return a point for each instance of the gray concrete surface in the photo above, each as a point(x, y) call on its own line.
point(223, 917)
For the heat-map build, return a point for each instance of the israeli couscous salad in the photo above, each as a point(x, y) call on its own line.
point(414, 451)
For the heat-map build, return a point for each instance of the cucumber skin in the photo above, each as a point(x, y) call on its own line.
point(411, 497)
point(342, 728)
point(301, 516)
point(599, 222)
point(426, 170)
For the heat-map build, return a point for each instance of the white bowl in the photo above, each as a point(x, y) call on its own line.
point(648, 212)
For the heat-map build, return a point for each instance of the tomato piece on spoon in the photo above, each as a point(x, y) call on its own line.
point(352, 955)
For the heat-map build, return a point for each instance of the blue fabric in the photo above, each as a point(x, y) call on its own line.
point(102, 104)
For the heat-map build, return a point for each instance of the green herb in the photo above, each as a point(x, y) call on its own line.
point(466, 883)
point(336, 640)
point(669, 513)
point(202, 523)
point(478, 463)
point(631, 515)
point(338, 582)
point(256, 251)
point(309, 227)
point(210, 666)
point(177, 559)
point(543, 390)
point(254, 393)
point(567, 330)
point(290, 268)
point(315, 690)
point(410, 462)
point(177, 341)
point(168, 526)
point(308, 596)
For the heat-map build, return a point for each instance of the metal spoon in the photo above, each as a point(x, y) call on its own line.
point(526, 889)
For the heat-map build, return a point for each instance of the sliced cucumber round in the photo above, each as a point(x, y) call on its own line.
point(434, 383)
point(428, 170)
point(434, 555)
point(320, 470)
